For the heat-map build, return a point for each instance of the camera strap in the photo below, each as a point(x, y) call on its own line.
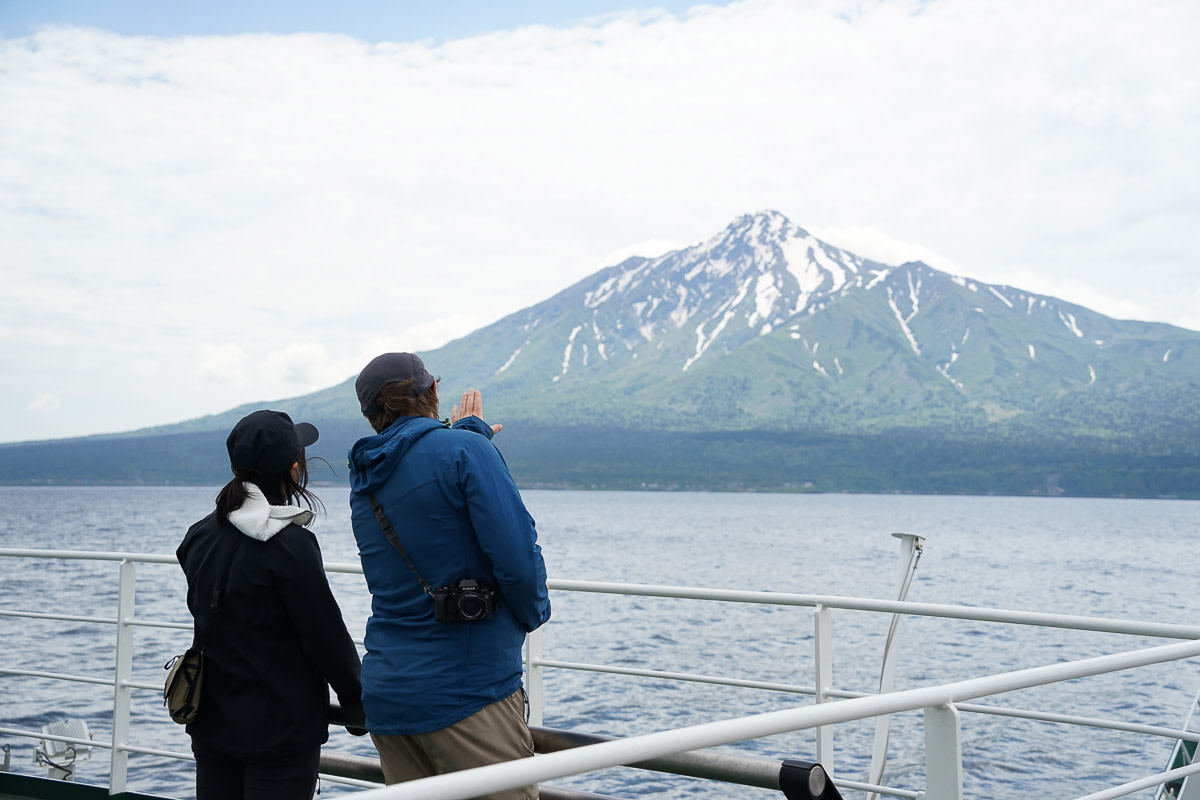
point(390, 532)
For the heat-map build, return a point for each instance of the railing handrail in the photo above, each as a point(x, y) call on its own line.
point(90, 555)
point(1165, 630)
point(642, 748)
point(512, 774)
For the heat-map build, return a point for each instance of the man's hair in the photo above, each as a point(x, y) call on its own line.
point(396, 399)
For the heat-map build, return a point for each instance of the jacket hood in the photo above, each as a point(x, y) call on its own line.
point(373, 459)
point(260, 520)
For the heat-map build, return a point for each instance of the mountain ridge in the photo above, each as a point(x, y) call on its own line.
point(763, 327)
point(893, 337)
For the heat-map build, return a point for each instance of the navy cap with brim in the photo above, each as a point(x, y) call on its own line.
point(390, 368)
point(268, 442)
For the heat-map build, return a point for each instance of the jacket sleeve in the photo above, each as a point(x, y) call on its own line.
point(317, 618)
point(505, 532)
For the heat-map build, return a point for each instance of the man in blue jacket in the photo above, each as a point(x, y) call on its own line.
point(456, 576)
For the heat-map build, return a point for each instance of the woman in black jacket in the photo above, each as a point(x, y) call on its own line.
point(273, 636)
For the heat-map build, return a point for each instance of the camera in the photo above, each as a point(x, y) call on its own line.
point(467, 601)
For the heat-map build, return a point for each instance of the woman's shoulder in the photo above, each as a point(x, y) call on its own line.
point(295, 538)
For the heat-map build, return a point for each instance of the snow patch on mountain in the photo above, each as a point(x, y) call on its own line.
point(944, 368)
point(766, 295)
point(617, 284)
point(511, 358)
point(679, 315)
point(566, 364)
point(1069, 321)
point(1003, 299)
point(912, 340)
point(877, 276)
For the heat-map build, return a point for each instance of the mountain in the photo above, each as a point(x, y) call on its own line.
point(765, 326)
point(766, 357)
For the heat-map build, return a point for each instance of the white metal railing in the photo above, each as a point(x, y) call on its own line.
point(942, 705)
point(943, 759)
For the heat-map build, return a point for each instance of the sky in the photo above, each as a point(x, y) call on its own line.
point(204, 205)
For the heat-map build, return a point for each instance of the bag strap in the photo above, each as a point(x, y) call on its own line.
point(222, 587)
point(390, 532)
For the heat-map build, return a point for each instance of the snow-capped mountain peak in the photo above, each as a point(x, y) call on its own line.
point(744, 282)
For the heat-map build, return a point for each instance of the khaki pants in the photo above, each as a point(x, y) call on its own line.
point(491, 735)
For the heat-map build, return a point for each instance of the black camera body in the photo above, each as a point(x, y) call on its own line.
point(466, 601)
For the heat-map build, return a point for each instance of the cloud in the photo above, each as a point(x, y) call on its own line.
point(44, 403)
point(879, 246)
point(1079, 292)
point(224, 363)
point(298, 364)
point(161, 195)
point(648, 249)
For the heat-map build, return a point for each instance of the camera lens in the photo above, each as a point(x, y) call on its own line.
point(471, 606)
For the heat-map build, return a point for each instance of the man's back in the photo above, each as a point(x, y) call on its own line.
point(457, 514)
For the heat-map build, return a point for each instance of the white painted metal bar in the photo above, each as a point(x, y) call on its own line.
point(150, 751)
point(822, 605)
point(1191, 788)
point(497, 777)
point(56, 738)
point(1045, 716)
point(823, 656)
point(676, 676)
point(57, 676)
point(181, 626)
point(887, 791)
point(59, 617)
point(1126, 789)
point(911, 547)
point(1087, 722)
point(124, 671)
point(1036, 618)
point(345, 567)
point(943, 753)
point(534, 686)
point(89, 555)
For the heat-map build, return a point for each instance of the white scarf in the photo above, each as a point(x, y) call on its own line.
point(260, 520)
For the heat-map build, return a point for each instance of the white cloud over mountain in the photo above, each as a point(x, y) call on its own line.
point(191, 223)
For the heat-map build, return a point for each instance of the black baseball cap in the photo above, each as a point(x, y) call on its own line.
point(390, 368)
point(268, 442)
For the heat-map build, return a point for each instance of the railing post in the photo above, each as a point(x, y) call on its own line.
point(123, 674)
point(1190, 790)
point(911, 547)
point(943, 753)
point(823, 654)
point(533, 676)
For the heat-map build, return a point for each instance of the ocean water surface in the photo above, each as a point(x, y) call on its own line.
point(1111, 558)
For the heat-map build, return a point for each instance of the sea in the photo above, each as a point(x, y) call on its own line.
point(1124, 558)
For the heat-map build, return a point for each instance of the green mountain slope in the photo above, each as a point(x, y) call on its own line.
point(765, 357)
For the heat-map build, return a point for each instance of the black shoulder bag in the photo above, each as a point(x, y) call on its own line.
point(185, 672)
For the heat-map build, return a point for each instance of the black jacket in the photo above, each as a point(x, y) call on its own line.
point(272, 644)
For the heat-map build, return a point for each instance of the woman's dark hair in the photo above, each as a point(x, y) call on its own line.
point(396, 399)
point(279, 490)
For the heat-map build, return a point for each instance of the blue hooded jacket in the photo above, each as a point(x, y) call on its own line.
point(456, 511)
